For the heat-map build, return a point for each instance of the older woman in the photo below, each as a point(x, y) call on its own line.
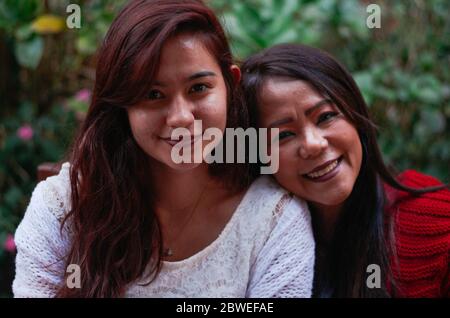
point(365, 219)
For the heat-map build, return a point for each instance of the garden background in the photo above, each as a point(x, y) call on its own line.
point(47, 73)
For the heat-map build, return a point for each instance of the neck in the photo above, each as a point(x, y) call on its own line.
point(176, 190)
point(324, 221)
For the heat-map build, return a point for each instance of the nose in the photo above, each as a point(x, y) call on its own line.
point(179, 113)
point(312, 144)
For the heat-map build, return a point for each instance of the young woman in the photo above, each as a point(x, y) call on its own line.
point(329, 156)
point(122, 219)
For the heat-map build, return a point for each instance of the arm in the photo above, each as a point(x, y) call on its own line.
point(285, 265)
point(40, 247)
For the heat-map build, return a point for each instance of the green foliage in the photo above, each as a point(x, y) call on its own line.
point(15, 19)
point(14, 13)
point(29, 53)
point(47, 139)
point(256, 24)
point(98, 15)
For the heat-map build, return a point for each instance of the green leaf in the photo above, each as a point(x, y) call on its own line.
point(433, 120)
point(280, 26)
point(429, 95)
point(26, 112)
point(24, 33)
point(29, 53)
point(366, 84)
point(19, 11)
point(86, 44)
point(285, 37)
point(13, 196)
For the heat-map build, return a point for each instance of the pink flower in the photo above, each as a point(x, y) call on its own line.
point(83, 95)
point(9, 244)
point(25, 132)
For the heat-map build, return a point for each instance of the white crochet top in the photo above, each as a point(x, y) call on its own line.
point(265, 250)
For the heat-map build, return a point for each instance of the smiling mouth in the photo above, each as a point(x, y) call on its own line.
point(185, 140)
point(324, 170)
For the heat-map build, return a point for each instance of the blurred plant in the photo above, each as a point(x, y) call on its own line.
point(98, 15)
point(48, 24)
point(79, 103)
point(53, 61)
point(25, 132)
point(405, 78)
point(16, 18)
point(9, 245)
point(256, 24)
point(26, 140)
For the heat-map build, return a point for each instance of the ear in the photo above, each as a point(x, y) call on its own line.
point(236, 71)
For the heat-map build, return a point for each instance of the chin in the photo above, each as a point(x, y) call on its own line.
point(333, 202)
point(336, 199)
point(182, 166)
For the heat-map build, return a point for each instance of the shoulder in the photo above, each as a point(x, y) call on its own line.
point(49, 203)
point(426, 214)
point(269, 211)
point(41, 245)
point(267, 200)
point(434, 204)
point(283, 263)
point(54, 193)
point(422, 231)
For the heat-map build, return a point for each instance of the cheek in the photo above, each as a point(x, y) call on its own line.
point(357, 155)
point(287, 174)
point(212, 110)
point(287, 159)
point(345, 139)
point(353, 146)
point(141, 124)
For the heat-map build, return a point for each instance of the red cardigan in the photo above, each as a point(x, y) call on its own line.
point(422, 237)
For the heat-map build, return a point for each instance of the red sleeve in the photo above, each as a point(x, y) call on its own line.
point(434, 203)
point(422, 236)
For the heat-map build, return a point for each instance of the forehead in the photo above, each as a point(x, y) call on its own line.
point(185, 54)
point(275, 89)
point(279, 93)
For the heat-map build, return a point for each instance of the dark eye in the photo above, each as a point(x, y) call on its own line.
point(326, 116)
point(198, 88)
point(155, 94)
point(285, 134)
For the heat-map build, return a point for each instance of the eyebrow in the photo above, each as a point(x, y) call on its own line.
point(288, 120)
point(317, 105)
point(201, 74)
point(191, 77)
point(280, 122)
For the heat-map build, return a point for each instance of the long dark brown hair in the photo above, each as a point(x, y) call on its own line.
point(115, 233)
point(359, 237)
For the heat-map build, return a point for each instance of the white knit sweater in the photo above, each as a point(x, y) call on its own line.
point(265, 250)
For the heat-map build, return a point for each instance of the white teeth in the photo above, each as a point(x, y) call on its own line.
point(324, 171)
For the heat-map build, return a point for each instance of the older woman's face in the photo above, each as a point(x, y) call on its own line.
point(320, 150)
point(188, 86)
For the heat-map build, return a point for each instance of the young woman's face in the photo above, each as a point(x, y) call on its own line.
point(188, 86)
point(320, 150)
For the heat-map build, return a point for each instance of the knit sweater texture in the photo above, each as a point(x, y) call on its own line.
point(422, 237)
